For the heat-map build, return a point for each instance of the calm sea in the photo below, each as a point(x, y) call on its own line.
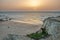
point(29, 17)
point(38, 15)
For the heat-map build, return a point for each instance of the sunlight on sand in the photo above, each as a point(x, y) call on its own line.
point(29, 21)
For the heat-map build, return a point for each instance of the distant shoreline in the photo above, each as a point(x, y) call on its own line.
point(29, 11)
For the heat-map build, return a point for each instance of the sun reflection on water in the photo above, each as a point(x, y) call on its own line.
point(29, 21)
point(29, 18)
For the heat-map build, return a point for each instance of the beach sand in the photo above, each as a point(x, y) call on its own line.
point(9, 27)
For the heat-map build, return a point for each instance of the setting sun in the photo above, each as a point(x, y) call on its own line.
point(34, 3)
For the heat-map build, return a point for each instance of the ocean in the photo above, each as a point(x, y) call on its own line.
point(32, 18)
point(13, 14)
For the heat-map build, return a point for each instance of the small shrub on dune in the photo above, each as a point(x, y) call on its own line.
point(37, 35)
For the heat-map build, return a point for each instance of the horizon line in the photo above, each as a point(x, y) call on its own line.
point(30, 11)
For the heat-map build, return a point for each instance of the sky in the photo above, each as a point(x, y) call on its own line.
point(29, 4)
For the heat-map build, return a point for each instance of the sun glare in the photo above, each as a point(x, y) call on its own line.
point(34, 3)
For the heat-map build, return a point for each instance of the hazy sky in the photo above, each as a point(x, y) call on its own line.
point(29, 4)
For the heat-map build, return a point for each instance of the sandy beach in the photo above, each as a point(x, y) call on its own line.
point(9, 27)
